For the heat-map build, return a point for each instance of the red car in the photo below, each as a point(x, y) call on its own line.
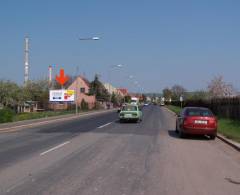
point(196, 121)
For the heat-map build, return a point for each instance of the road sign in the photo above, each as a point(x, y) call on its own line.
point(61, 95)
point(62, 78)
point(181, 98)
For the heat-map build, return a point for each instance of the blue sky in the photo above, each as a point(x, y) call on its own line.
point(161, 43)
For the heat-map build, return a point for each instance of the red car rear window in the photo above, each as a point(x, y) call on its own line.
point(198, 112)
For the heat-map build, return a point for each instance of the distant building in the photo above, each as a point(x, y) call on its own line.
point(124, 91)
point(110, 88)
point(82, 86)
point(29, 106)
point(148, 99)
point(119, 92)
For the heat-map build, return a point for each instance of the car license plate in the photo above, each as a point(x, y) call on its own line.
point(128, 115)
point(200, 122)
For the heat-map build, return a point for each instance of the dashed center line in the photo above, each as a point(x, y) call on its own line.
point(54, 148)
point(104, 125)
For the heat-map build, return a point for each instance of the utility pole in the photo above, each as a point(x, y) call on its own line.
point(76, 91)
point(26, 60)
point(50, 76)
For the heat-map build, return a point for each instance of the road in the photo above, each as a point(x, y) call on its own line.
point(98, 155)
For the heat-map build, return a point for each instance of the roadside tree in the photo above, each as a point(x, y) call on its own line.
point(218, 88)
point(98, 89)
point(167, 93)
point(177, 91)
point(9, 93)
point(198, 95)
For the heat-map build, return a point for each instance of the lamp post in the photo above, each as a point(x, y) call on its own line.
point(76, 88)
point(76, 91)
point(89, 39)
point(109, 77)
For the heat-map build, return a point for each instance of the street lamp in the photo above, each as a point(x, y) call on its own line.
point(116, 66)
point(89, 39)
point(76, 91)
point(109, 78)
point(112, 67)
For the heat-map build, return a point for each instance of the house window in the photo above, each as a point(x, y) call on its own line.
point(82, 90)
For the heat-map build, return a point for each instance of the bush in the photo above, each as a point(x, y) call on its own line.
point(84, 105)
point(6, 115)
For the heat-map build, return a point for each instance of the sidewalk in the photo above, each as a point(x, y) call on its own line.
point(14, 126)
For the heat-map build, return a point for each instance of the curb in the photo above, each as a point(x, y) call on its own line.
point(231, 143)
point(50, 120)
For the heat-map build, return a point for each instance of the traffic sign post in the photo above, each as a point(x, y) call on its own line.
point(181, 100)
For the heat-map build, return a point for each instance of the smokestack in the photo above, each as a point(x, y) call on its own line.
point(26, 60)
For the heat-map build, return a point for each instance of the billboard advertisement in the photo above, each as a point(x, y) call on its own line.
point(61, 95)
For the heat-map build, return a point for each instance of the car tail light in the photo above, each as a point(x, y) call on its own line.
point(187, 122)
point(213, 122)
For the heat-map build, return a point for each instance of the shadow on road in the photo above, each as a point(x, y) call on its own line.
point(126, 122)
point(172, 133)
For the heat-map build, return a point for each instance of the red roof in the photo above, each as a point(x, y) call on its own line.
point(123, 91)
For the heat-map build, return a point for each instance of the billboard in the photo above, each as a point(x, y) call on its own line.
point(61, 95)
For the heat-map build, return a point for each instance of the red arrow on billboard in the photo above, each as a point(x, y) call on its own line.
point(62, 78)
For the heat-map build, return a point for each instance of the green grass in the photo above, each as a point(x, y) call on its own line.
point(175, 109)
point(36, 115)
point(229, 128)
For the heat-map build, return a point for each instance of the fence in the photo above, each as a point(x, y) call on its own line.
point(224, 107)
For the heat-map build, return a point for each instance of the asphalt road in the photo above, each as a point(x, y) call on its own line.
point(99, 155)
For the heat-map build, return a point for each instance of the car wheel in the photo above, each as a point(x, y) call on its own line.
point(212, 137)
point(121, 120)
point(176, 129)
point(182, 134)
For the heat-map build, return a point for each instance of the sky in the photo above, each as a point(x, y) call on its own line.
point(160, 43)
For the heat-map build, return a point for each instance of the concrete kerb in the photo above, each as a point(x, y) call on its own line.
point(36, 122)
point(231, 143)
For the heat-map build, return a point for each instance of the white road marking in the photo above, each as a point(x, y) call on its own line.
point(54, 148)
point(104, 125)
